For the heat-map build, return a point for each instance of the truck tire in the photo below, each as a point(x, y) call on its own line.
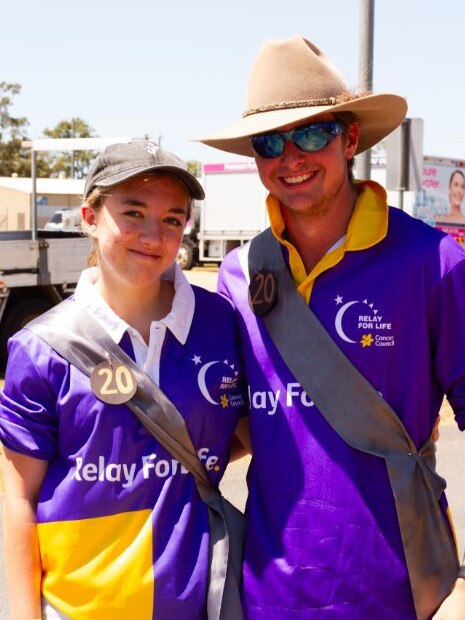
point(185, 258)
point(15, 318)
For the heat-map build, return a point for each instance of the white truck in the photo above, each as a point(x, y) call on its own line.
point(36, 274)
point(233, 210)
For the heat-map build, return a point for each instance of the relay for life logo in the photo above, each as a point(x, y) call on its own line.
point(358, 322)
point(361, 323)
point(218, 382)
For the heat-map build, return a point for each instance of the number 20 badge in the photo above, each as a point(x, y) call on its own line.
point(113, 383)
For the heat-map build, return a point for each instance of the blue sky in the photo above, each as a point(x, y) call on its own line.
point(176, 69)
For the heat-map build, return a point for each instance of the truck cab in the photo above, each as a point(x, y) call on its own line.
point(64, 220)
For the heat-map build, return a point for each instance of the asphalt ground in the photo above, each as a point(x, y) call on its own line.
point(450, 458)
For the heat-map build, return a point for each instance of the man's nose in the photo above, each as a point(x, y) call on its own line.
point(292, 152)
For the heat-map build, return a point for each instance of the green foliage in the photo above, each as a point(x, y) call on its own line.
point(13, 159)
point(68, 164)
point(16, 160)
point(194, 167)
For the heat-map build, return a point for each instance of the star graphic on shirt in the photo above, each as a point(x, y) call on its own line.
point(365, 301)
point(338, 300)
point(224, 401)
point(196, 359)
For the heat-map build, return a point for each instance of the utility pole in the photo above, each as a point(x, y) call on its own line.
point(72, 152)
point(367, 18)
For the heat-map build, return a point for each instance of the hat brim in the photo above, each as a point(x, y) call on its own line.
point(187, 179)
point(377, 116)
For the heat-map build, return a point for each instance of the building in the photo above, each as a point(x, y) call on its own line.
point(52, 195)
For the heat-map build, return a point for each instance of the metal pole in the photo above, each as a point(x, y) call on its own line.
point(33, 195)
point(72, 152)
point(367, 18)
point(403, 167)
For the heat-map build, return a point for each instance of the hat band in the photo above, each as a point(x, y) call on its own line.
point(287, 105)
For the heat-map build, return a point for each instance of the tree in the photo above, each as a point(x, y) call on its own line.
point(13, 159)
point(194, 167)
point(69, 164)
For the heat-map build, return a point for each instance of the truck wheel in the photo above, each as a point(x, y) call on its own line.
point(185, 257)
point(15, 318)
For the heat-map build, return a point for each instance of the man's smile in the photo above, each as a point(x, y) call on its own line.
point(296, 179)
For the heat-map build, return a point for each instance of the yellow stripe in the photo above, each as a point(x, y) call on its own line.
point(101, 568)
point(367, 227)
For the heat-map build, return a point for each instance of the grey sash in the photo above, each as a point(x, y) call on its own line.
point(73, 333)
point(366, 422)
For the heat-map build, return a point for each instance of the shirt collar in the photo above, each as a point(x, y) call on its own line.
point(178, 320)
point(367, 227)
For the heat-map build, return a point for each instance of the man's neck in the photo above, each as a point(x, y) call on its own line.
point(314, 235)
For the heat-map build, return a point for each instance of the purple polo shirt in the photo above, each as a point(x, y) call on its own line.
point(123, 532)
point(323, 537)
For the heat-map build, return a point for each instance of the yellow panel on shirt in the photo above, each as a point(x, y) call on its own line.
point(106, 560)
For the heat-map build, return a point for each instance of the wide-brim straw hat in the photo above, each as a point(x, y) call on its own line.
point(293, 80)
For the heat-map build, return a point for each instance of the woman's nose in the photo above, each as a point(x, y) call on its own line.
point(151, 231)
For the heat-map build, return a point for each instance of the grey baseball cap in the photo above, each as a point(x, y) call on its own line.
point(122, 161)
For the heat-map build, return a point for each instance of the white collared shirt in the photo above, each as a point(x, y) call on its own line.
point(178, 320)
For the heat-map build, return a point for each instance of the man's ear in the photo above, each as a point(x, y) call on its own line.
point(352, 140)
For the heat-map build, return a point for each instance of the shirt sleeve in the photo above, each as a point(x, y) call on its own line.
point(230, 267)
point(28, 419)
point(447, 320)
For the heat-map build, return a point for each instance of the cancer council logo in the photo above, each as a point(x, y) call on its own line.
point(218, 382)
point(361, 323)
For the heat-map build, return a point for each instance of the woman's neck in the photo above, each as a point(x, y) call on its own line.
point(139, 308)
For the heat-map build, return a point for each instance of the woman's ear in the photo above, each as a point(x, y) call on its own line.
point(88, 217)
point(89, 220)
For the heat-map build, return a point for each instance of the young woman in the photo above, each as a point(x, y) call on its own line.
point(100, 520)
point(456, 196)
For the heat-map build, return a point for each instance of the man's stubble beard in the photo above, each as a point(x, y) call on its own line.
point(320, 207)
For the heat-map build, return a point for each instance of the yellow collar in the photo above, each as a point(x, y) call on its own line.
point(367, 227)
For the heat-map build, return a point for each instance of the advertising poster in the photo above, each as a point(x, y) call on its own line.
point(440, 202)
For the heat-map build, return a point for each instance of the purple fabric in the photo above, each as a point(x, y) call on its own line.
point(323, 539)
point(103, 462)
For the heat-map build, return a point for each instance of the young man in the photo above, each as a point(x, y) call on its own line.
point(332, 532)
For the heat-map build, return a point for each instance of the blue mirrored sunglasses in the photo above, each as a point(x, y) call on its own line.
point(308, 138)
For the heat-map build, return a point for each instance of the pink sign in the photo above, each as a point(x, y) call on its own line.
point(242, 166)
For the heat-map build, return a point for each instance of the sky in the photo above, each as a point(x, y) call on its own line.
point(175, 69)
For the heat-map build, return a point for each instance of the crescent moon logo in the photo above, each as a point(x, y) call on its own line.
point(201, 380)
point(338, 321)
